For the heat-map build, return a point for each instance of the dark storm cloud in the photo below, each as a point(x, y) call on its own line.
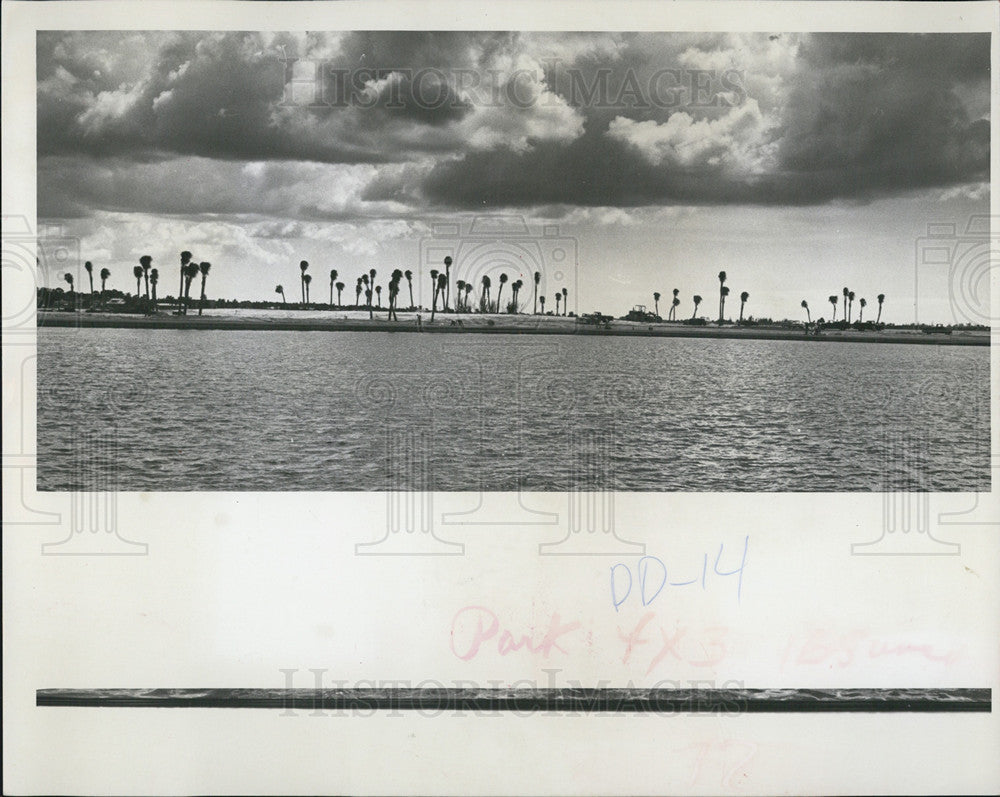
point(815, 118)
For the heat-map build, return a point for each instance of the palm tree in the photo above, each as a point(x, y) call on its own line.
point(722, 283)
point(446, 294)
point(442, 286)
point(460, 286)
point(515, 288)
point(805, 306)
point(409, 281)
point(881, 298)
point(185, 259)
point(538, 279)
point(503, 279)
point(69, 279)
point(154, 277)
point(303, 265)
point(850, 306)
point(468, 290)
point(146, 261)
point(846, 292)
point(673, 307)
point(541, 299)
point(340, 290)
point(90, 274)
point(697, 301)
point(333, 279)
point(862, 304)
point(434, 290)
point(137, 273)
point(203, 268)
point(378, 292)
point(743, 300)
point(656, 302)
point(484, 299)
point(558, 299)
point(833, 300)
point(306, 281)
point(358, 288)
point(281, 290)
point(371, 286)
point(393, 291)
point(723, 293)
point(190, 273)
point(105, 273)
point(565, 295)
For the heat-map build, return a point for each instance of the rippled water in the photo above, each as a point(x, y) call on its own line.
point(268, 410)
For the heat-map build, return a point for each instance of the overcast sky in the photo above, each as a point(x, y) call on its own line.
point(799, 164)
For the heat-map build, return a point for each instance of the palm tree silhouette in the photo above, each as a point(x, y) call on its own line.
point(185, 259)
point(846, 292)
point(378, 293)
point(565, 295)
point(137, 273)
point(105, 273)
point(656, 302)
point(442, 285)
point(743, 300)
point(446, 294)
point(460, 289)
point(468, 290)
point(409, 281)
point(191, 272)
point(154, 277)
point(146, 261)
point(393, 291)
point(805, 306)
point(697, 301)
point(371, 286)
point(541, 299)
point(281, 290)
point(515, 288)
point(538, 279)
point(833, 300)
point(722, 283)
point(90, 274)
point(69, 279)
point(673, 307)
point(558, 299)
point(862, 304)
point(881, 298)
point(303, 265)
point(333, 279)
point(503, 279)
point(723, 293)
point(358, 288)
point(484, 299)
point(340, 290)
point(306, 281)
point(850, 306)
point(434, 291)
point(203, 268)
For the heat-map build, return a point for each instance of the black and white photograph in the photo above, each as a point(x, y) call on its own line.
point(474, 398)
point(663, 261)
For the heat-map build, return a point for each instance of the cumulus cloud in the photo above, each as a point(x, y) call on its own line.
point(352, 125)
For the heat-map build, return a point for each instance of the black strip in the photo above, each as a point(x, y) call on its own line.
point(570, 701)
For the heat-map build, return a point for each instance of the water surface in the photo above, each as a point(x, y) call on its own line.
point(269, 410)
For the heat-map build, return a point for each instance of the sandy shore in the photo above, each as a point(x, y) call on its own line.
point(353, 321)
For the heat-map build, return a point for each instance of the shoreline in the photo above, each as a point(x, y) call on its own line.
point(496, 325)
